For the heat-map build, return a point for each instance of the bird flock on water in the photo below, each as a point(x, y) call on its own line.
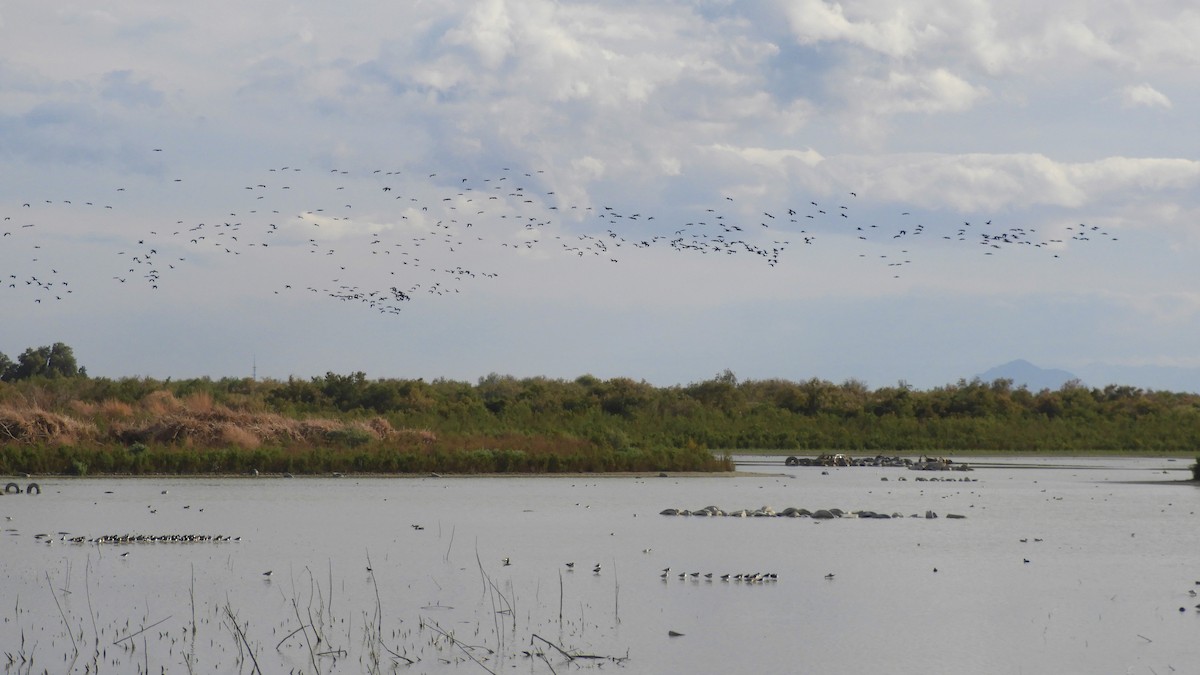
point(384, 237)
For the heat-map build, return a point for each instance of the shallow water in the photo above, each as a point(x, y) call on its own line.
point(1101, 591)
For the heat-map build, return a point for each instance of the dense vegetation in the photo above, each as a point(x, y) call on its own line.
point(503, 423)
point(56, 360)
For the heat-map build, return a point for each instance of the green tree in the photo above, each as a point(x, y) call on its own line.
point(498, 391)
point(623, 397)
point(721, 392)
point(56, 360)
point(7, 367)
point(344, 392)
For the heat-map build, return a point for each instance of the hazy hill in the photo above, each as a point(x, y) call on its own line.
point(1024, 373)
point(1098, 375)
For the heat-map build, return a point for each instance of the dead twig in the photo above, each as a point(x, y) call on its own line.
point(133, 635)
point(238, 630)
point(285, 638)
point(572, 657)
point(311, 655)
point(454, 641)
point(66, 624)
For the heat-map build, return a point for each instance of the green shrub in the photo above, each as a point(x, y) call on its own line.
point(349, 437)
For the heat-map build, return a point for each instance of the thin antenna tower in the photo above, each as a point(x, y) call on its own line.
point(253, 366)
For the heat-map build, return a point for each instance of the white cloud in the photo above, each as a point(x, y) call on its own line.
point(1136, 173)
point(1135, 95)
point(1026, 39)
point(990, 182)
point(774, 158)
point(1161, 308)
point(487, 29)
point(931, 91)
point(886, 28)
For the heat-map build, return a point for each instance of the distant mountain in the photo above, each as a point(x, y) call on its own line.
point(1024, 373)
point(1098, 375)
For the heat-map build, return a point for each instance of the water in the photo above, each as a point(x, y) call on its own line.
point(1101, 591)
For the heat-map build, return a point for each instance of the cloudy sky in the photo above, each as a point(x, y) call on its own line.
point(885, 190)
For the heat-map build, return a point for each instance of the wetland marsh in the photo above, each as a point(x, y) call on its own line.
point(1076, 566)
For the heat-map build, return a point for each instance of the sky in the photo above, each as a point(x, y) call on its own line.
point(883, 190)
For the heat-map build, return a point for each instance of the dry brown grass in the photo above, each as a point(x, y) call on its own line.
point(113, 409)
point(379, 427)
point(423, 437)
point(196, 421)
point(238, 437)
point(382, 430)
point(83, 408)
point(220, 426)
point(160, 403)
point(199, 402)
point(107, 410)
point(34, 425)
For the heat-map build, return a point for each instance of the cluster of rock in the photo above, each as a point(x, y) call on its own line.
point(793, 512)
point(938, 464)
point(922, 464)
point(839, 459)
point(922, 479)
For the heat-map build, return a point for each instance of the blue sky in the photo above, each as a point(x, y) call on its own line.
point(986, 181)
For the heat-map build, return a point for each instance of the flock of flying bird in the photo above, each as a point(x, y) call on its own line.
point(382, 238)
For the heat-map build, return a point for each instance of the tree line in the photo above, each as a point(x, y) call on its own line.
point(721, 413)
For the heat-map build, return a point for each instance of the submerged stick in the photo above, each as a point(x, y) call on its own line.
point(192, 594)
point(238, 630)
point(378, 601)
point(395, 655)
point(454, 641)
point(285, 638)
point(311, 655)
point(482, 577)
point(489, 589)
point(133, 635)
point(88, 593)
point(66, 623)
point(616, 594)
point(571, 656)
point(543, 658)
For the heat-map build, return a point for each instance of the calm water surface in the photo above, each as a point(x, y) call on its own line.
point(1101, 592)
